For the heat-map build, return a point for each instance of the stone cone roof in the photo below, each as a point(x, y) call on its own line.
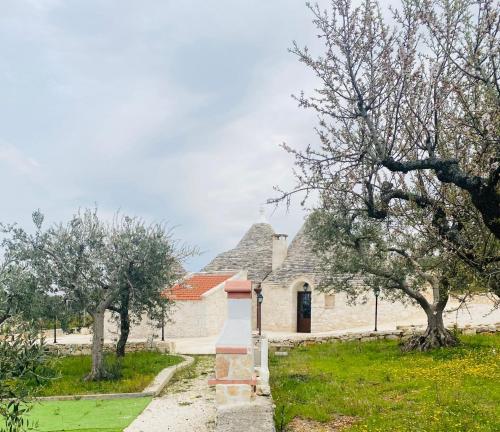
point(253, 253)
point(300, 260)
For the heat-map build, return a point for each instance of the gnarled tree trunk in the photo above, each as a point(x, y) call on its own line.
point(436, 334)
point(98, 371)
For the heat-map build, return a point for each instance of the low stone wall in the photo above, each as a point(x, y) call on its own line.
point(85, 349)
point(400, 333)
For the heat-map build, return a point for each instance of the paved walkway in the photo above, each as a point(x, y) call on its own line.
point(188, 404)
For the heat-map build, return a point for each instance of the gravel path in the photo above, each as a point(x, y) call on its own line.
point(187, 405)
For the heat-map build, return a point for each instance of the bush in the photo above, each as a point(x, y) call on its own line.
point(23, 367)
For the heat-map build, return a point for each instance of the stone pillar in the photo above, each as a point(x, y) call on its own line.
point(263, 368)
point(264, 359)
point(234, 364)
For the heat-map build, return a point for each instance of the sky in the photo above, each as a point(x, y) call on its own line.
point(173, 111)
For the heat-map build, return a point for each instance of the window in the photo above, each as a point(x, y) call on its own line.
point(329, 301)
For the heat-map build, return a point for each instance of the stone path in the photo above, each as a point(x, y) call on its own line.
point(187, 405)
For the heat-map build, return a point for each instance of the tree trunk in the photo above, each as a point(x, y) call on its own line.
point(4, 318)
point(124, 319)
point(124, 332)
point(98, 371)
point(435, 336)
point(6, 314)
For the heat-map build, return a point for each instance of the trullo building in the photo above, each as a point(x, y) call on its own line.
point(289, 275)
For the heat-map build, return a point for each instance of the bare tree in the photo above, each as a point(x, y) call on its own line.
point(409, 120)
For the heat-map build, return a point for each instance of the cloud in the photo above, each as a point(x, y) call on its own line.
point(171, 111)
point(14, 158)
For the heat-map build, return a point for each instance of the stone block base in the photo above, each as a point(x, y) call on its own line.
point(234, 366)
point(230, 394)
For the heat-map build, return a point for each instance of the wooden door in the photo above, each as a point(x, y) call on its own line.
point(304, 312)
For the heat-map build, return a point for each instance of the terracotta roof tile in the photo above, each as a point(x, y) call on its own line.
point(195, 286)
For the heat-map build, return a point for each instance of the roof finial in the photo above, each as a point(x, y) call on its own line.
point(262, 218)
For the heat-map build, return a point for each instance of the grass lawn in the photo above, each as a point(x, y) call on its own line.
point(87, 415)
point(138, 370)
point(450, 390)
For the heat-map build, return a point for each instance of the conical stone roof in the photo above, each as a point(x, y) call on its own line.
point(253, 253)
point(300, 260)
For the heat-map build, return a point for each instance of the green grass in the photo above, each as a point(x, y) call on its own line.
point(138, 370)
point(87, 415)
point(449, 390)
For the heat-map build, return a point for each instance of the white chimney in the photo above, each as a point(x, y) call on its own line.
point(279, 250)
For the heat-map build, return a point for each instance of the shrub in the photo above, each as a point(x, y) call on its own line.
point(23, 367)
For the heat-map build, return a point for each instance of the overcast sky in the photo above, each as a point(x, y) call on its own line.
point(168, 110)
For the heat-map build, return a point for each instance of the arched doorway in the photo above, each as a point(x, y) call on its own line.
point(304, 307)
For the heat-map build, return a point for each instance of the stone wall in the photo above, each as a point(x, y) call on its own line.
point(401, 332)
point(85, 349)
point(188, 319)
point(144, 329)
point(215, 312)
point(281, 341)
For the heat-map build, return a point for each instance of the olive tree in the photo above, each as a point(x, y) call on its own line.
point(76, 256)
point(20, 281)
point(400, 263)
point(97, 266)
point(71, 258)
point(145, 259)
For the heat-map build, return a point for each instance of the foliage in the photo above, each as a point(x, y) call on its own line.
point(17, 289)
point(409, 122)
point(145, 260)
point(136, 371)
point(92, 266)
point(23, 368)
point(385, 257)
point(446, 389)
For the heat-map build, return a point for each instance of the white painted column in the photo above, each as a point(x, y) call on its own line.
point(234, 366)
point(263, 379)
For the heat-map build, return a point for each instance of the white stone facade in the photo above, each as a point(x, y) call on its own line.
point(264, 257)
point(192, 318)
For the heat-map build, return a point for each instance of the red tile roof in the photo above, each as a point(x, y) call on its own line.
point(193, 287)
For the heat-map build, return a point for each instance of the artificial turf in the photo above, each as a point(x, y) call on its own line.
point(87, 415)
